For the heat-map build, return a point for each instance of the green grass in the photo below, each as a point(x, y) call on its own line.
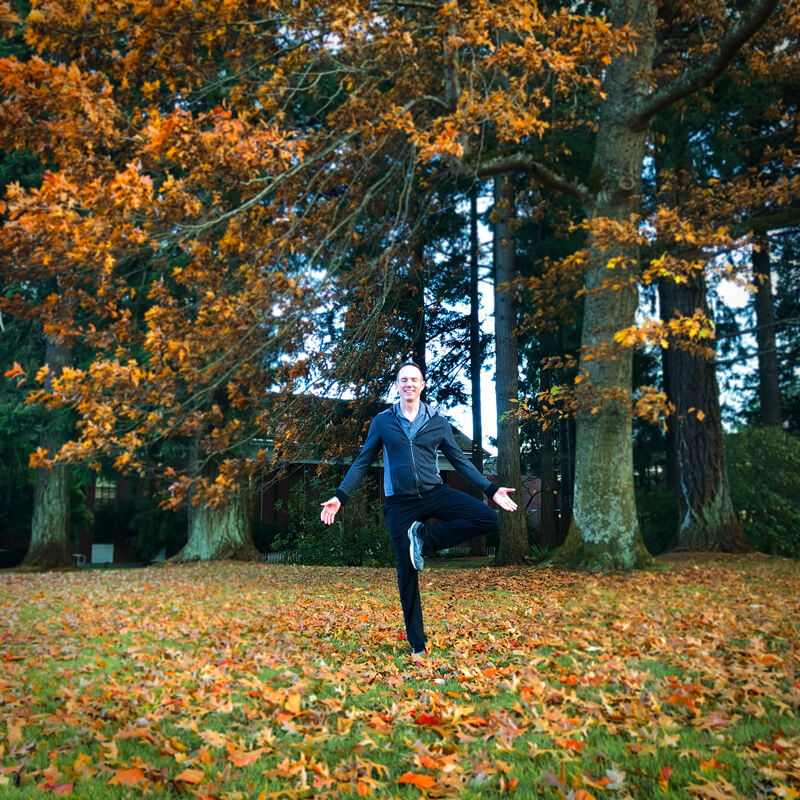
point(675, 683)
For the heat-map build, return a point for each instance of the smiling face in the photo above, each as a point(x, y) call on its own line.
point(410, 383)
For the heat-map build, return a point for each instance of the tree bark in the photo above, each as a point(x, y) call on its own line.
point(475, 335)
point(478, 543)
point(218, 532)
point(548, 529)
point(604, 533)
point(566, 462)
point(769, 389)
point(671, 476)
point(707, 519)
point(50, 541)
point(513, 545)
point(419, 319)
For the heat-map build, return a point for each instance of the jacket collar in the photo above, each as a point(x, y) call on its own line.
point(426, 410)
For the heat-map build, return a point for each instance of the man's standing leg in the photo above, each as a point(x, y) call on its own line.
point(400, 513)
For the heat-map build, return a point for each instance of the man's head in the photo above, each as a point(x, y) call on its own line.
point(410, 381)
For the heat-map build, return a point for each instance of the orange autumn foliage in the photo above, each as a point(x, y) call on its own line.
point(228, 199)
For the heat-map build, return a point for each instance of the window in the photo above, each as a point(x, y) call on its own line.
point(105, 493)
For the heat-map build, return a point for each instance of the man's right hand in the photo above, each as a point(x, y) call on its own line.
point(329, 509)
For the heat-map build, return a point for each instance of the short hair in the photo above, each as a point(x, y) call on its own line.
point(409, 363)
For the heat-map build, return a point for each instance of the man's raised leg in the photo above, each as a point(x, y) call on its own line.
point(459, 517)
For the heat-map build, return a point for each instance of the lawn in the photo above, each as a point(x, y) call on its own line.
point(240, 680)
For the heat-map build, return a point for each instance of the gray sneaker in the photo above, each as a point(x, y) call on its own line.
point(415, 546)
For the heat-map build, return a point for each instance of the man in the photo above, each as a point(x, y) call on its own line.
point(411, 433)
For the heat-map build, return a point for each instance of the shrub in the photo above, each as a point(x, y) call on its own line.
point(153, 528)
point(658, 512)
point(264, 534)
point(357, 538)
point(763, 469)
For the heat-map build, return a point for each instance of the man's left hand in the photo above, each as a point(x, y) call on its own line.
point(503, 500)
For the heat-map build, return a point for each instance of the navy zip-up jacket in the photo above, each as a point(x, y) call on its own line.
point(411, 462)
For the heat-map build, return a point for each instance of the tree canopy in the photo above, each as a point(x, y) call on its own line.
point(234, 197)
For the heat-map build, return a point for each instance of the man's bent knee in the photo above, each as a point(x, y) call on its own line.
point(491, 520)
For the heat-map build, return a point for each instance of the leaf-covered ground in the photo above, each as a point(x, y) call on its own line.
point(241, 680)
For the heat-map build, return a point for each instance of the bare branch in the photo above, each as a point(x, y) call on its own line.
point(764, 223)
point(529, 164)
point(788, 322)
point(708, 70)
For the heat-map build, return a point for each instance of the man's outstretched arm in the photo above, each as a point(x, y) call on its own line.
point(469, 472)
point(503, 500)
point(329, 510)
point(356, 472)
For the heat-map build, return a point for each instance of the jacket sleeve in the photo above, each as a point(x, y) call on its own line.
point(463, 466)
point(362, 463)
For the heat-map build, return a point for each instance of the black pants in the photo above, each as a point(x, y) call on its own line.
point(460, 518)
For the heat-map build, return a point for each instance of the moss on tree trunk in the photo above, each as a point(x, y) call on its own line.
point(50, 546)
point(604, 533)
point(50, 543)
point(217, 533)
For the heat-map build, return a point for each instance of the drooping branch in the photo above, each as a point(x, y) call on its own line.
point(707, 70)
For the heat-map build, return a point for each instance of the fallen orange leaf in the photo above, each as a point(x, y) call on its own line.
point(293, 703)
point(126, 777)
point(663, 777)
point(420, 781)
point(191, 776)
point(241, 758)
point(569, 744)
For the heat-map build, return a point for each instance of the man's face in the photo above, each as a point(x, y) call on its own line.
point(410, 383)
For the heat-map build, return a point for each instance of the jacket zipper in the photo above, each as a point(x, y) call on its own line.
point(411, 445)
point(413, 460)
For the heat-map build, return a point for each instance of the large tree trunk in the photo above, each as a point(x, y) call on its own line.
point(769, 389)
point(707, 519)
point(478, 543)
point(218, 532)
point(513, 545)
point(604, 533)
point(50, 543)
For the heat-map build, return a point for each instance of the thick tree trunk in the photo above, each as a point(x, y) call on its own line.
point(217, 533)
point(604, 533)
point(707, 520)
point(769, 389)
point(50, 543)
point(477, 544)
point(221, 532)
point(513, 546)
